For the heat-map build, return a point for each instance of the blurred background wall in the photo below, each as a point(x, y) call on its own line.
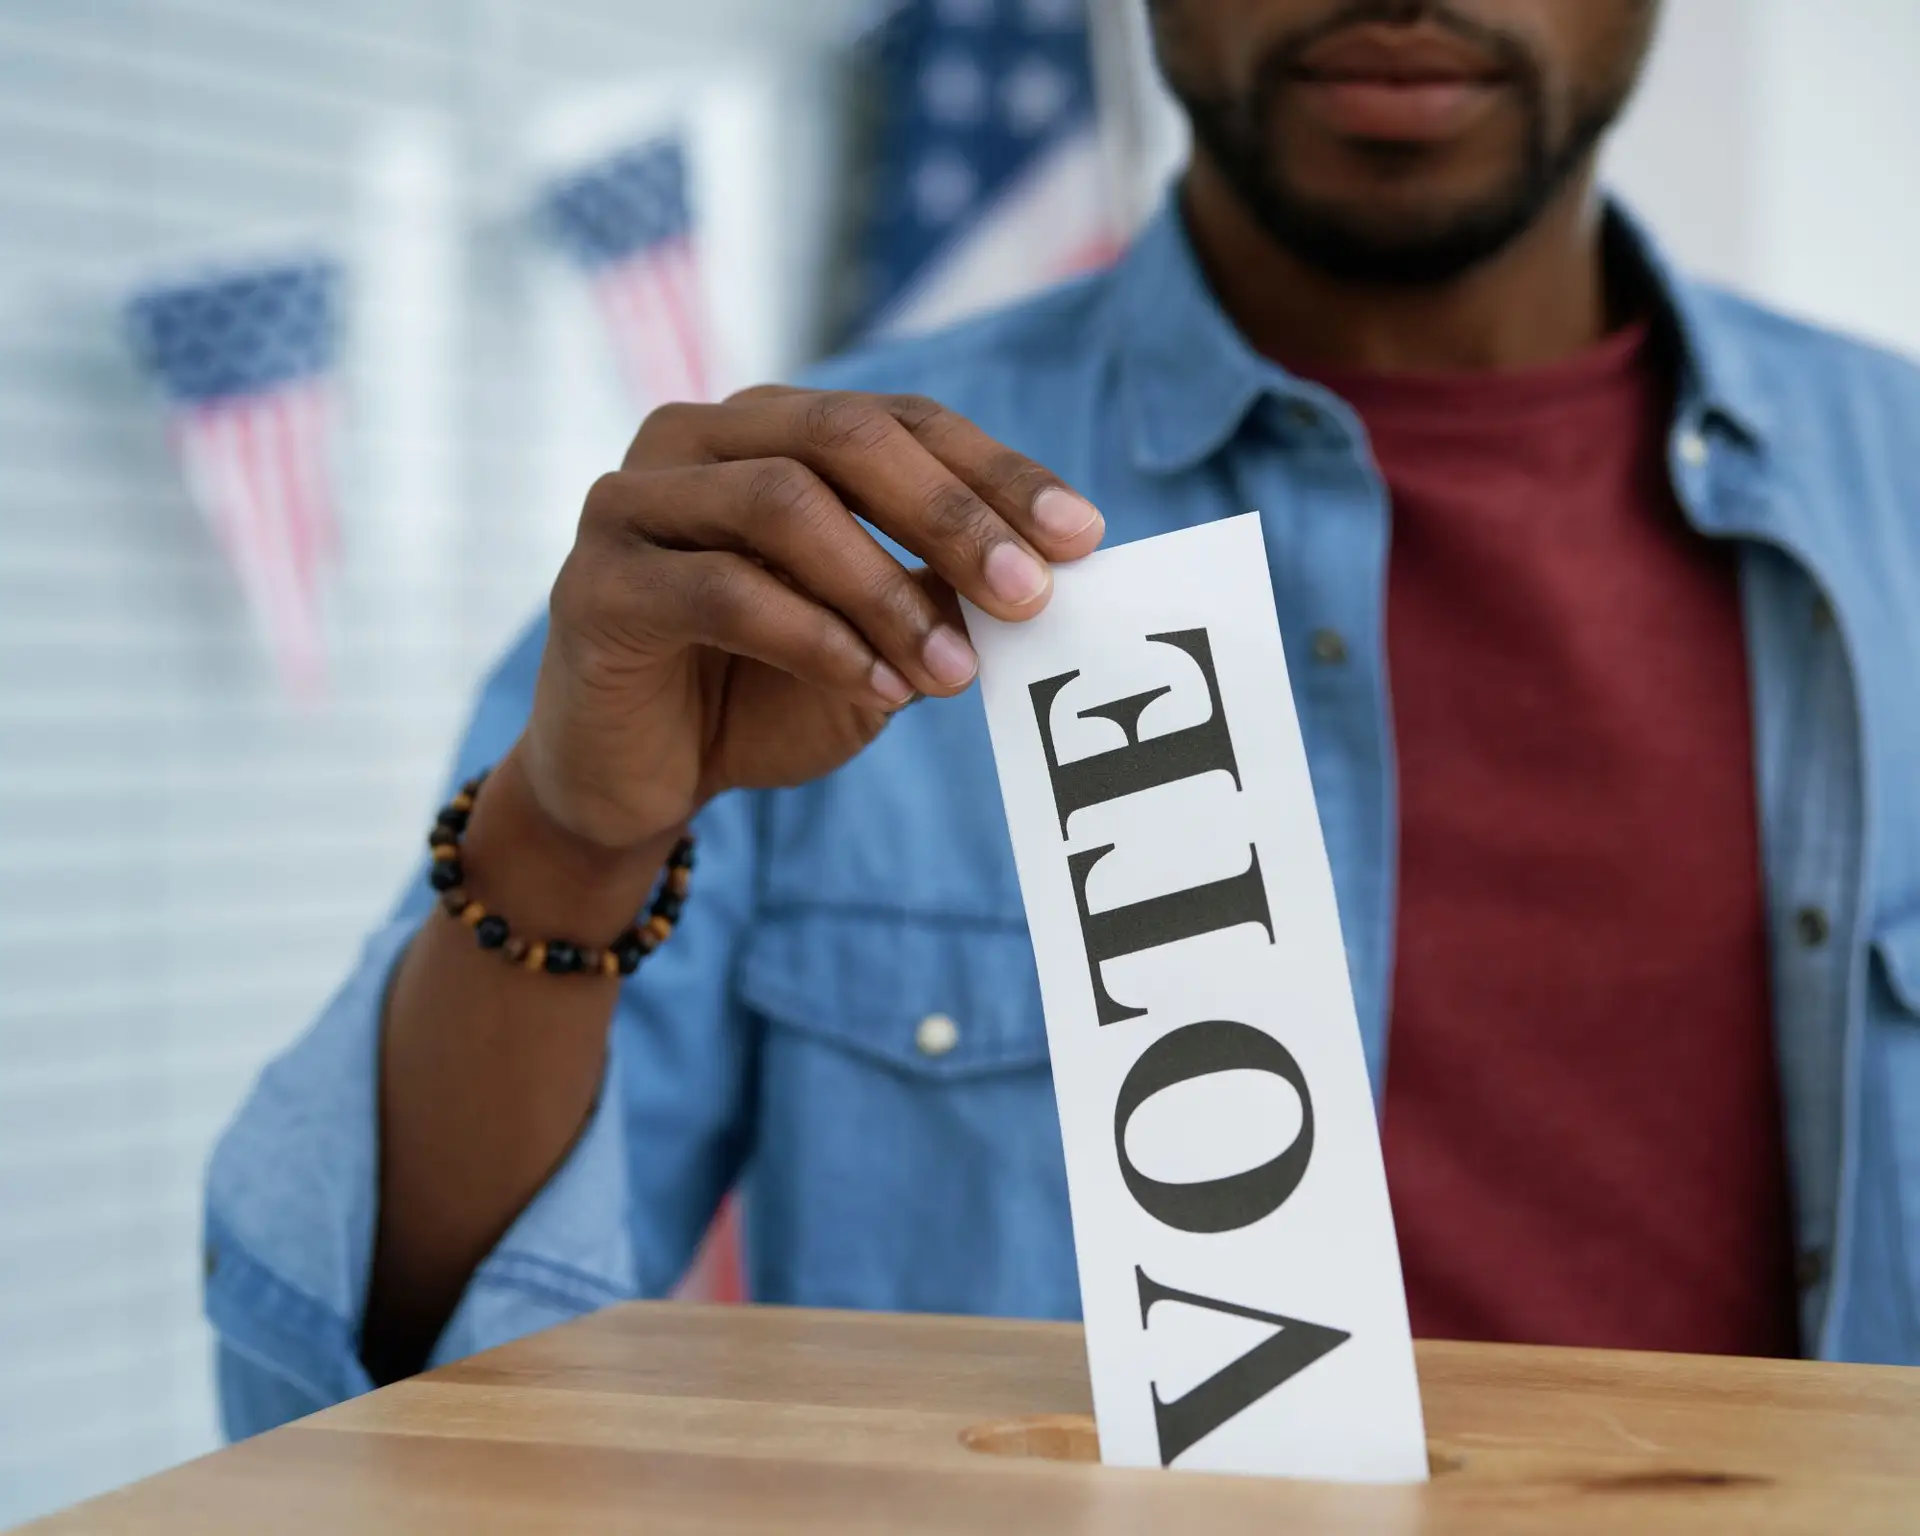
point(187, 859)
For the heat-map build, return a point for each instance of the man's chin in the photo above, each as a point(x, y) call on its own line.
point(1396, 236)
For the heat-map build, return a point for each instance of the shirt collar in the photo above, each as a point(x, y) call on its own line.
point(1189, 378)
point(1717, 381)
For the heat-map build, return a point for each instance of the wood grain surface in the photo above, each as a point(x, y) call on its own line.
point(659, 1417)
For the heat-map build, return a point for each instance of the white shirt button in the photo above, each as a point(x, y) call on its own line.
point(1329, 647)
point(937, 1034)
point(1813, 926)
point(1693, 449)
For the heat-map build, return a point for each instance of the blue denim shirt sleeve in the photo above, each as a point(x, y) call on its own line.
point(292, 1189)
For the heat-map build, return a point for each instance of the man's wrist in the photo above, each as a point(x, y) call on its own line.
point(547, 880)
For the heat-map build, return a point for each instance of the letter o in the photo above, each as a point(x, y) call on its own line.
point(1239, 1199)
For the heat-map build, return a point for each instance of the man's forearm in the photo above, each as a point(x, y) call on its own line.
point(488, 1072)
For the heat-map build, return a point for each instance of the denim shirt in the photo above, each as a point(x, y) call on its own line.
point(775, 1045)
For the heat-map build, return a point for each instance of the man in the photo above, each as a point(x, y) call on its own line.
point(1628, 853)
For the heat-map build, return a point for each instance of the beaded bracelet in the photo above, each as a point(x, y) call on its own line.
point(558, 957)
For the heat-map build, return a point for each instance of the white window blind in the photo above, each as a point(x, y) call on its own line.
point(188, 861)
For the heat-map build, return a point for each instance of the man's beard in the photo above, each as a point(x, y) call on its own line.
point(1416, 250)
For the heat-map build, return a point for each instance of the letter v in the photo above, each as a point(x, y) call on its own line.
point(1236, 1386)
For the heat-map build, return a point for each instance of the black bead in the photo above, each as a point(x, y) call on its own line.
point(627, 952)
point(445, 874)
point(667, 905)
point(491, 932)
point(682, 855)
point(472, 786)
point(451, 819)
point(442, 837)
point(562, 957)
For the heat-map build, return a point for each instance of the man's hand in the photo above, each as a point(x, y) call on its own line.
point(725, 621)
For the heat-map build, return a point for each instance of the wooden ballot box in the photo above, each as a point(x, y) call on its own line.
point(662, 1417)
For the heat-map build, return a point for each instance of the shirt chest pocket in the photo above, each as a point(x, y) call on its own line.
point(908, 1151)
point(927, 999)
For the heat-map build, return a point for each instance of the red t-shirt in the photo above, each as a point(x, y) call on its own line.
point(1582, 1119)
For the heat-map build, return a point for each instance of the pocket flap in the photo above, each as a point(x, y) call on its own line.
point(1898, 944)
point(879, 984)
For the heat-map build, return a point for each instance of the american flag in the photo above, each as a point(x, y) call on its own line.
point(992, 180)
point(245, 359)
point(626, 221)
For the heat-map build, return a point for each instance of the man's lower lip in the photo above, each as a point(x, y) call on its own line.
point(1409, 110)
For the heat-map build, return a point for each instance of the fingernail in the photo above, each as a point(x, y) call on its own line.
point(889, 684)
point(949, 658)
point(1014, 575)
point(1060, 514)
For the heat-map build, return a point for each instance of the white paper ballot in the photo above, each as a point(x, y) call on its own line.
point(1238, 1268)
